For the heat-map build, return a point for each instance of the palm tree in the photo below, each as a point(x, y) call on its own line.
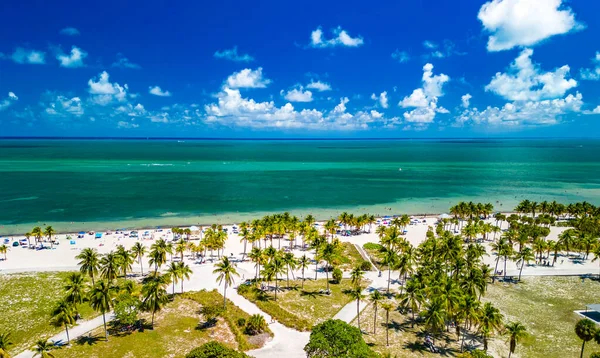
point(63, 315)
point(524, 256)
point(515, 332)
point(412, 298)
point(290, 263)
point(180, 248)
point(42, 348)
point(37, 234)
point(303, 263)
point(5, 342)
point(256, 255)
point(49, 232)
point(75, 288)
point(469, 309)
point(328, 253)
point(387, 307)
point(173, 274)
point(109, 266)
point(434, 316)
point(390, 259)
point(596, 253)
point(89, 262)
point(138, 250)
point(585, 330)
point(125, 259)
point(184, 273)
point(490, 320)
point(356, 294)
point(226, 271)
point(277, 267)
point(356, 276)
point(101, 301)
point(158, 254)
point(375, 297)
point(154, 294)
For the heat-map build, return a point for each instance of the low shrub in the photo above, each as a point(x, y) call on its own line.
point(215, 350)
point(241, 322)
point(365, 265)
point(337, 275)
point(256, 325)
point(372, 246)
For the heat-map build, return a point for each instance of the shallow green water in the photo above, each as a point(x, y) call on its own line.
point(76, 184)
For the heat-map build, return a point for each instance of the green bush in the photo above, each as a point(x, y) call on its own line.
point(241, 322)
point(244, 289)
point(337, 275)
point(365, 265)
point(256, 325)
point(214, 350)
point(595, 355)
point(372, 246)
point(210, 313)
point(336, 338)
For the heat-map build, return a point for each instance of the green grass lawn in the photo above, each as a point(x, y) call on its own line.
point(27, 300)
point(545, 306)
point(350, 257)
point(301, 308)
point(177, 330)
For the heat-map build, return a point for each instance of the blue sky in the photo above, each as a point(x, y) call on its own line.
point(320, 69)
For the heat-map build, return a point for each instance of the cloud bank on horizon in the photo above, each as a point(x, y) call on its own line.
point(515, 65)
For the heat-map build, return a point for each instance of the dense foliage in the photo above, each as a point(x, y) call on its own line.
point(336, 338)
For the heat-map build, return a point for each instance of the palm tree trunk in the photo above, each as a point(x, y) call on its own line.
point(141, 266)
point(389, 278)
point(105, 331)
point(387, 328)
point(182, 285)
point(505, 267)
point(303, 278)
point(521, 270)
point(327, 274)
point(358, 312)
point(582, 347)
point(225, 296)
point(375, 318)
point(153, 312)
point(316, 265)
point(276, 287)
point(68, 339)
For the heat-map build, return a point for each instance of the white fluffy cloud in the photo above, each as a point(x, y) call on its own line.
point(401, 56)
point(157, 91)
point(525, 81)
point(341, 38)
point(424, 100)
point(69, 31)
point(466, 100)
point(232, 55)
point(524, 113)
point(8, 101)
point(513, 23)
point(123, 62)
point(127, 125)
point(596, 110)
point(29, 56)
point(72, 60)
point(382, 99)
point(298, 95)
point(234, 110)
point(592, 74)
point(319, 86)
point(62, 107)
point(103, 92)
point(247, 78)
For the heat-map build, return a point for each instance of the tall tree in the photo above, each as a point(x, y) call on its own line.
point(154, 294)
point(42, 348)
point(89, 262)
point(139, 250)
point(63, 316)
point(226, 272)
point(303, 263)
point(515, 332)
point(375, 297)
point(101, 300)
point(75, 289)
point(585, 330)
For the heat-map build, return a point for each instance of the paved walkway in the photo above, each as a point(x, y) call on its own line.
point(81, 329)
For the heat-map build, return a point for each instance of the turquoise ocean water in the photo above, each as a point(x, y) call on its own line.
point(101, 184)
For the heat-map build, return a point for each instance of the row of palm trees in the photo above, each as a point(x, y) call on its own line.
point(471, 210)
point(557, 209)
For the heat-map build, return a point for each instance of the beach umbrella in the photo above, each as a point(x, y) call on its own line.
point(194, 228)
point(444, 216)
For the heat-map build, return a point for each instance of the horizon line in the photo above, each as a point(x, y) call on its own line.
point(274, 138)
